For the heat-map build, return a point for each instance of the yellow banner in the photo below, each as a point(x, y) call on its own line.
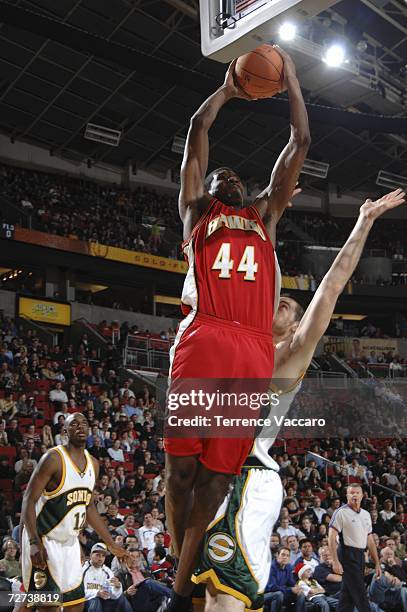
point(137, 258)
point(295, 282)
point(360, 348)
point(44, 311)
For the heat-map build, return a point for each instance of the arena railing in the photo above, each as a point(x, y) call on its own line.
point(383, 370)
point(142, 350)
point(394, 494)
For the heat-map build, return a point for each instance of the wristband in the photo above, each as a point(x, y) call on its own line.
point(34, 541)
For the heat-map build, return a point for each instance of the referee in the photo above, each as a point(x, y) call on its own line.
point(354, 527)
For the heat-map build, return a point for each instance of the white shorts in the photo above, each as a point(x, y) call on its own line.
point(236, 555)
point(62, 575)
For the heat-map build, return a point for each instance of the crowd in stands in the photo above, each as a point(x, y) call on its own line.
point(40, 385)
point(138, 219)
point(89, 211)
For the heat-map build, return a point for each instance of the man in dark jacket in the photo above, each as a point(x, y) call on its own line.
point(281, 590)
point(144, 593)
point(324, 574)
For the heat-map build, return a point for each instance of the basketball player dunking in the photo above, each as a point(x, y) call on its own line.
point(235, 559)
point(58, 502)
point(229, 293)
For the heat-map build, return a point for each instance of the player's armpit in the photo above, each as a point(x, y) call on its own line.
point(48, 471)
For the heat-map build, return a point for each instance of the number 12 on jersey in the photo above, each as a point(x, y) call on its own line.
point(224, 263)
point(80, 520)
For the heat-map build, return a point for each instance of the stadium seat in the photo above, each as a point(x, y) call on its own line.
point(9, 451)
point(6, 484)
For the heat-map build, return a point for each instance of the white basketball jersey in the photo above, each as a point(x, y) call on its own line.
point(61, 513)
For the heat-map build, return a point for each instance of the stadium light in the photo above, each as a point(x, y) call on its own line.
point(287, 31)
point(334, 55)
point(390, 180)
point(103, 134)
point(315, 168)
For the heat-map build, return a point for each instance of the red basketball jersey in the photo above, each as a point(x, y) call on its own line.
point(233, 270)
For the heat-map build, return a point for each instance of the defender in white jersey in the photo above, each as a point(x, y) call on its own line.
point(235, 560)
point(57, 504)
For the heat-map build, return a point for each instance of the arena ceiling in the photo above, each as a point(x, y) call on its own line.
point(136, 66)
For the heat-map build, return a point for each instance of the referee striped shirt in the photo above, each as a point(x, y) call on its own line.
point(353, 527)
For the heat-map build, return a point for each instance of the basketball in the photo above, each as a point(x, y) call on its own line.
point(260, 73)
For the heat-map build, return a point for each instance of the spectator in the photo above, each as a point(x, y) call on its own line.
point(98, 450)
point(61, 410)
point(275, 543)
point(62, 437)
point(15, 437)
point(47, 437)
point(114, 519)
point(6, 471)
point(22, 462)
point(311, 589)
point(281, 589)
point(3, 435)
point(307, 554)
point(57, 394)
point(317, 510)
point(8, 405)
point(126, 389)
point(286, 529)
point(294, 548)
point(144, 594)
point(400, 550)
point(324, 574)
point(103, 590)
point(9, 565)
point(390, 588)
point(378, 524)
point(147, 532)
point(387, 513)
point(159, 541)
point(116, 452)
point(127, 529)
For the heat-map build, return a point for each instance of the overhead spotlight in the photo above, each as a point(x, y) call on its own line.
point(287, 31)
point(361, 47)
point(334, 56)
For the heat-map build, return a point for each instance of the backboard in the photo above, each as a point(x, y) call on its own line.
point(230, 28)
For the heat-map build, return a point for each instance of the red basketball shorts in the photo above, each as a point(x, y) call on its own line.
point(236, 356)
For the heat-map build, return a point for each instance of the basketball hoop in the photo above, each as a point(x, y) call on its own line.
point(230, 28)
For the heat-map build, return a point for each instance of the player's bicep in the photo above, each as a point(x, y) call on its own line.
point(48, 469)
point(194, 166)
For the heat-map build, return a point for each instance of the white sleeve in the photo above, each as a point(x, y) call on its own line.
point(141, 538)
point(305, 588)
point(90, 591)
point(336, 521)
point(116, 591)
point(150, 556)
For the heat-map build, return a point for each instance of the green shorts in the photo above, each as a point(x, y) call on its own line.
point(236, 555)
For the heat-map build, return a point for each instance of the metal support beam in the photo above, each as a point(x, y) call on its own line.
point(34, 57)
point(185, 8)
point(385, 16)
point(76, 74)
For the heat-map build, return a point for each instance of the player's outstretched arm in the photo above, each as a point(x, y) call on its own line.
point(193, 195)
point(272, 202)
point(318, 314)
point(48, 470)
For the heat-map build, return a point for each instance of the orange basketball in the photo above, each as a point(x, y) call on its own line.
point(260, 73)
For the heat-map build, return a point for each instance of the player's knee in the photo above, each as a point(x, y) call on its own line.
point(179, 479)
point(211, 493)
